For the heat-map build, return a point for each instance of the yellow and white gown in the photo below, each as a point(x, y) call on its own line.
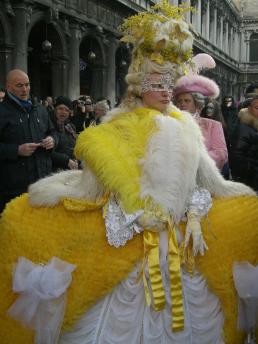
point(148, 161)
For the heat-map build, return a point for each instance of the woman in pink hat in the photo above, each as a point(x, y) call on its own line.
point(190, 93)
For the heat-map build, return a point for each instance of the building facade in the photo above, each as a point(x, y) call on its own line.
point(72, 47)
point(68, 47)
point(227, 30)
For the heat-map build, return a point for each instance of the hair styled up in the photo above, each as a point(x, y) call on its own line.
point(133, 96)
point(162, 43)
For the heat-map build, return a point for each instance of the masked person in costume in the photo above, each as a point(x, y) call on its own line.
point(190, 93)
point(138, 273)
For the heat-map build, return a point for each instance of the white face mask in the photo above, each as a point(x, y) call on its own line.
point(165, 83)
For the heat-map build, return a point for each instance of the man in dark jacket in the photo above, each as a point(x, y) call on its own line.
point(26, 139)
point(245, 157)
point(230, 115)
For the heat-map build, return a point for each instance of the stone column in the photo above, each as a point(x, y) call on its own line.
point(111, 71)
point(203, 20)
point(59, 80)
point(248, 49)
point(237, 45)
point(98, 77)
point(188, 14)
point(199, 16)
point(221, 32)
point(226, 50)
point(214, 24)
point(231, 41)
point(74, 63)
point(234, 45)
point(3, 66)
point(65, 79)
point(5, 62)
point(20, 36)
point(243, 46)
point(208, 21)
point(194, 15)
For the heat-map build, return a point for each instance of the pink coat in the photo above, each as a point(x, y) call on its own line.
point(214, 140)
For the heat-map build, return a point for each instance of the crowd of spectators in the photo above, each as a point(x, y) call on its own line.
point(37, 137)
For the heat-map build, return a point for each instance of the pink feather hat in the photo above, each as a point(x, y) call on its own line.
point(193, 82)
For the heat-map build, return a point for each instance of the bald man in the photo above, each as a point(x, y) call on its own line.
point(27, 137)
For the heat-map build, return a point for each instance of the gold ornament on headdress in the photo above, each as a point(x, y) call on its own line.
point(160, 35)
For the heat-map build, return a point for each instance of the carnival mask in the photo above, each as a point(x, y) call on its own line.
point(164, 83)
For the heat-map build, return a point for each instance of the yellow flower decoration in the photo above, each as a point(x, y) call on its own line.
point(157, 57)
point(181, 36)
point(159, 34)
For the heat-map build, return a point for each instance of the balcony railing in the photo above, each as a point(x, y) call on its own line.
point(251, 67)
point(82, 5)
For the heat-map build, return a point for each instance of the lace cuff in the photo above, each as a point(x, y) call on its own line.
point(200, 202)
point(120, 226)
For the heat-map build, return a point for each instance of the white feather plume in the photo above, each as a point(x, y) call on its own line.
point(203, 61)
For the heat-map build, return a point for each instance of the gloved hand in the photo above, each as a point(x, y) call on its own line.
point(193, 229)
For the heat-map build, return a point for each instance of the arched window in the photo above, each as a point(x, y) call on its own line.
point(254, 47)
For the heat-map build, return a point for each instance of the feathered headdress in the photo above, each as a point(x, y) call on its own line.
point(161, 35)
point(192, 82)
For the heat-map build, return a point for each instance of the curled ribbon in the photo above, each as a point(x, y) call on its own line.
point(151, 248)
point(151, 255)
point(42, 302)
point(176, 291)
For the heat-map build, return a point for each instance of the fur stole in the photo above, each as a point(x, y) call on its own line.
point(247, 118)
point(142, 156)
point(116, 152)
point(170, 165)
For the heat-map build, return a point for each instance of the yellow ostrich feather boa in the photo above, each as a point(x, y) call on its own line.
point(113, 151)
point(78, 237)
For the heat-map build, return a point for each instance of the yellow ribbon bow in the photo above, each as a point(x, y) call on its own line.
point(151, 255)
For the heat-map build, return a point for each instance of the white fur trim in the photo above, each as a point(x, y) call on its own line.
point(169, 171)
point(171, 163)
point(176, 161)
point(210, 178)
point(75, 184)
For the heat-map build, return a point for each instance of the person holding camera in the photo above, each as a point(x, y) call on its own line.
point(83, 113)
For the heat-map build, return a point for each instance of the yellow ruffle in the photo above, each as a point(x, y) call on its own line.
point(79, 238)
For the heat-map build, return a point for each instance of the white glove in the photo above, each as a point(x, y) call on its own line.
point(193, 228)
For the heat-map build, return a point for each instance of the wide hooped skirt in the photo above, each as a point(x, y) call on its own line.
point(75, 233)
